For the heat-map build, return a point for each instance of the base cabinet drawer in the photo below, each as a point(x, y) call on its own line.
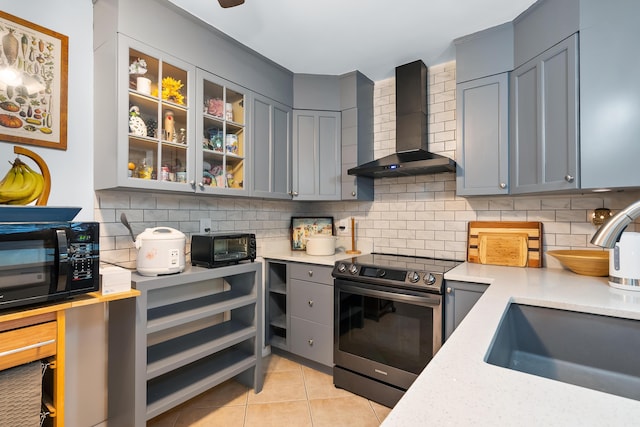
point(27, 344)
point(312, 341)
point(312, 301)
point(312, 273)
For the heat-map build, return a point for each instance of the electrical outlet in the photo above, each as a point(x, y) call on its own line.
point(344, 227)
point(205, 225)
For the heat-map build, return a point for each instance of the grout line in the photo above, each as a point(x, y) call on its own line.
point(306, 393)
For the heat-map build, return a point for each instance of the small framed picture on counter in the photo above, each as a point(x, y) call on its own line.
point(303, 227)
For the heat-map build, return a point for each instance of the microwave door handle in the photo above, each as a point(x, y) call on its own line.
point(63, 260)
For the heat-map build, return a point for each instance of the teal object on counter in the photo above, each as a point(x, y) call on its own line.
point(38, 213)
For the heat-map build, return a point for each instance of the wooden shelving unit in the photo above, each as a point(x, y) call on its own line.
point(40, 331)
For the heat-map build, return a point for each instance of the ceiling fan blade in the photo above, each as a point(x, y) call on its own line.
point(230, 3)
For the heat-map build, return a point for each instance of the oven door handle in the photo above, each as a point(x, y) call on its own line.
point(414, 299)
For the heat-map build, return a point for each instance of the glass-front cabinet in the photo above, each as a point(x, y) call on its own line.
point(166, 125)
point(159, 112)
point(221, 137)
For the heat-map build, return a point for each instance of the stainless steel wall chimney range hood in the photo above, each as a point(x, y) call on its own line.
point(412, 156)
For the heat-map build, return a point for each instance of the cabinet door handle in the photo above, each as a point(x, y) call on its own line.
point(310, 342)
point(201, 185)
point(310, 273)
point(353, 193)
point(449, 290)
point(295, 194)
point(569, 178)
point(503, 185)
point(310, 302)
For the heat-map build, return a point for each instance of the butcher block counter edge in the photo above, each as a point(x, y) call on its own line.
point(76, 301)
point(458, 388)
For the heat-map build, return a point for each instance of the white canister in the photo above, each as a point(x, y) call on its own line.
point(229, 111)
point(143, 85)
point(321, 245)
point(624, 262)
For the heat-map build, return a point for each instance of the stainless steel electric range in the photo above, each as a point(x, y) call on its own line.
point(388, 322)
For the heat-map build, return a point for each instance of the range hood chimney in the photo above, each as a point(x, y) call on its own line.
point(412, 156)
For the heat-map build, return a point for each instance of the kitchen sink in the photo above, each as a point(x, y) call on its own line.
point(589, 350)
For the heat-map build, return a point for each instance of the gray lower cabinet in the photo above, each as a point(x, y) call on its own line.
point(483, 136)
point(300, 310)
point(316, 164)
point(183, 335)
point(459, 298)
point(544, 154)
point(271, 149)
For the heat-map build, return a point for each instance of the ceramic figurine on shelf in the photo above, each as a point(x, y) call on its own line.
point(137, 126)
point(169, 126)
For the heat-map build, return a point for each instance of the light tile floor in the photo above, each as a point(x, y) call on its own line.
point(293, 395)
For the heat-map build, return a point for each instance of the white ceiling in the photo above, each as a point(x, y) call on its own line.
point(338, 36)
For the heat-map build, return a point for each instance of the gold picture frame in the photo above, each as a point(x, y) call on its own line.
point(33, 83)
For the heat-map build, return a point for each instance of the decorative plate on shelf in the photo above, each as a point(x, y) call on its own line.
point(38, 213)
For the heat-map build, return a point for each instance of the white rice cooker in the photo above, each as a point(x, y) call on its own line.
point(160, 251)
point(624, 262)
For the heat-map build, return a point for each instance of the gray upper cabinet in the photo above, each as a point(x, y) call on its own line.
point(483, 132)
point(356, 104)
point(542, 26)
point(609, 94)
point(316, 165)
point(484, 53)
point(222, 150)
point(483, 61)
point(544, 121)
point(175, 158)
point(316, 159)
point(271, 136)
point(143, 136)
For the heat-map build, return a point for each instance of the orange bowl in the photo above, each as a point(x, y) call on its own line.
point(584, 262)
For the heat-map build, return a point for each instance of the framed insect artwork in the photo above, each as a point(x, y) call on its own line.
point(33, 83)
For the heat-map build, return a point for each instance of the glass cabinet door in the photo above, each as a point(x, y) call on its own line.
point(158, 119)
point(222, 162)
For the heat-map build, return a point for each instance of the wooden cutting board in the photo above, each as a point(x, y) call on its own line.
point(510, 243)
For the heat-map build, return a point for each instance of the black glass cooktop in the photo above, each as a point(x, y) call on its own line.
point(408, 263)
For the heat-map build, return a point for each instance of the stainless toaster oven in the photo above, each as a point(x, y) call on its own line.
point(219, 249)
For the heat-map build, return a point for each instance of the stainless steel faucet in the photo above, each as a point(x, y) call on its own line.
point(609, 232)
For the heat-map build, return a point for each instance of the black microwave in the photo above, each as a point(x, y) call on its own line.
point(47, 261)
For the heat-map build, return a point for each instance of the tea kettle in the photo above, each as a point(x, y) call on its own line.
point(624, 262)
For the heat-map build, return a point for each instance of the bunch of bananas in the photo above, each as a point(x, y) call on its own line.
point(21, 185)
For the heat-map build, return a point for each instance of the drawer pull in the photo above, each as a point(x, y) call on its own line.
point(310, 302)
point(310, 273)
point(310, 342)
point(27, 347)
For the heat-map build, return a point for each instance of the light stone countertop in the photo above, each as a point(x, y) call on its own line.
point(281, 250)
point(458, 388)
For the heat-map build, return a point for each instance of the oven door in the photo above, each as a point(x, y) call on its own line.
point(385, 333)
